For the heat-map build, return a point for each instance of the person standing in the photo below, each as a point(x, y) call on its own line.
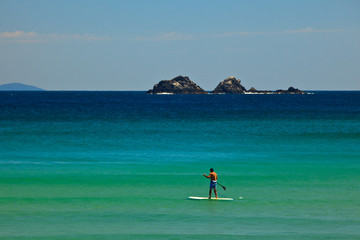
point(213, 182)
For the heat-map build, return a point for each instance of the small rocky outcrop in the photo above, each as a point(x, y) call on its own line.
point(291, 90)
point(178, 85)
point(230, 85)
point(252, 90)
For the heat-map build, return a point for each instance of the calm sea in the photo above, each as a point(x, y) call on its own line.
point(121, 165)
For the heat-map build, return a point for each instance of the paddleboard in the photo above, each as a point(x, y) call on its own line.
point(206, 198)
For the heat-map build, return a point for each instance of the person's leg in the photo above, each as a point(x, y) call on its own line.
point(215, 193)
point(210, 193)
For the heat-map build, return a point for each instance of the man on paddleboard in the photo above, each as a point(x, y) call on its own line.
point(213, 181)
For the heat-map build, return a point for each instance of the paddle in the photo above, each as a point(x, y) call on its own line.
point(222, 186)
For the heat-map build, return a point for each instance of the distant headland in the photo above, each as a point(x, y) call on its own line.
point(231, 85)
point(19, 87)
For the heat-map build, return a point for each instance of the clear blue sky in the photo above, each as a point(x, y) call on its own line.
point(131, 45)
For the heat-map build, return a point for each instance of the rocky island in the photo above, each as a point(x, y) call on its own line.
point(231, 85)
point(290, 90)
point(178, 85)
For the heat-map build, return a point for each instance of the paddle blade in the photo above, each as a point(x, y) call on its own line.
point(224, 188)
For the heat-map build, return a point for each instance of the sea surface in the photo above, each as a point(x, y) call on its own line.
point(121, 165)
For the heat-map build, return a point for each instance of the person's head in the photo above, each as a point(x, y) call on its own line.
point(211, 170)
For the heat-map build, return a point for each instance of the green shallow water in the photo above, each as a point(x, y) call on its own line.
point(122, 165)
point(280, 200)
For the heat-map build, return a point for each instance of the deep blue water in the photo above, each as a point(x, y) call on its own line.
point(114, 105)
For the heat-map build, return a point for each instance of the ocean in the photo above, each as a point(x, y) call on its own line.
point(121, 165)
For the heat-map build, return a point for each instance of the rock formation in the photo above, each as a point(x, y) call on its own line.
point(178, 85)
point(230, 85)
point(252, 90)
point(291, 90)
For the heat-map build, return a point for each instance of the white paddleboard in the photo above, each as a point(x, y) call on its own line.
point(206, 198)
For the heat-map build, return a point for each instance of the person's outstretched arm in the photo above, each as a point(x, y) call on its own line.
point(206, 176)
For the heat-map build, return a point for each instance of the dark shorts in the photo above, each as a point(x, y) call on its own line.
point(213, 185)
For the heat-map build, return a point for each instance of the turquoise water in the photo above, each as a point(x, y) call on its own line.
point(121, 165)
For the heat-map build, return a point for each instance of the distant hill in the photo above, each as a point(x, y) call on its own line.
point(18, 87)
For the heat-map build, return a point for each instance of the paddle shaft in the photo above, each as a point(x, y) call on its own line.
point(222, 186)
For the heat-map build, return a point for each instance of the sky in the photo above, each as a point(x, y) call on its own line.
point(132, 45)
